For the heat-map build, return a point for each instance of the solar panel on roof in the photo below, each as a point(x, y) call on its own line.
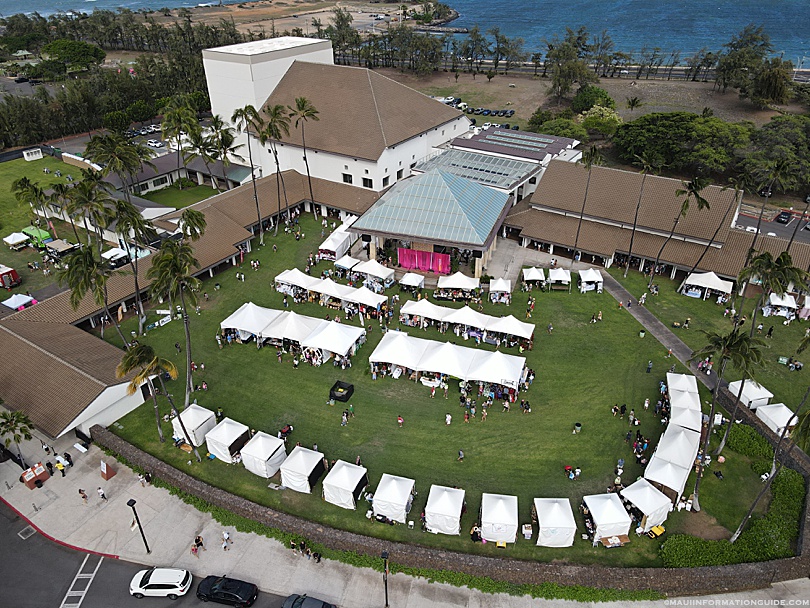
point(481, 168)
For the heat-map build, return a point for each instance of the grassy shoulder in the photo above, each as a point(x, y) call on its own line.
point(174, 197)
point(582, 370)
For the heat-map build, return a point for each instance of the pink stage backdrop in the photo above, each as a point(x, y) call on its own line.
point(424, 260)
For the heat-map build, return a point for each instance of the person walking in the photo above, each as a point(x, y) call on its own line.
point(770, 332)
point(198, 542)
point(448, 419)
point(344, 419)
point(550, 328)
point(483, 414)
point(194, 551)
point(460, 456)
point(177, 348)
point(83, 494)
point(649, 366)
point(400, 421)
point(102, 495)
point(226, 539)
point(60, 467)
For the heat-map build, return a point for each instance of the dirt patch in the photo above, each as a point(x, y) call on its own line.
point(703, 525)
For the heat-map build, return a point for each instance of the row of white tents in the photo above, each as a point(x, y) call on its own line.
point(328, 337)
point(399, 349)
point(370, 268)
point(327, 287)
point(467, 316)
point(590, 279)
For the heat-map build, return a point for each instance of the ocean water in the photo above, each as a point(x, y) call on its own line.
point(685, 25)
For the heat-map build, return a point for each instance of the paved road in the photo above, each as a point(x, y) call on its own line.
point(42, 573)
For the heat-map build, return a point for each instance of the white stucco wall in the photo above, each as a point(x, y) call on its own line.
point(109, 406)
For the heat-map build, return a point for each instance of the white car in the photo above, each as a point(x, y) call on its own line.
point(160, 582)
point(752, 229)
point(154, 143)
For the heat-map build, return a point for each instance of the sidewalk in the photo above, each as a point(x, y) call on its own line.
point(171, 525)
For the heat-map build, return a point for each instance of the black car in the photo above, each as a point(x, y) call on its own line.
point(225, 590)
point(502, 113)
point(20, 79)
point(784, 217)
point(515, 128)
point(510, 113)
point(303, 601)
point(765, 191)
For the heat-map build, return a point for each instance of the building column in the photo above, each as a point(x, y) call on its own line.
point(674, 270)
point(372, 249)
point(551, 249)
point(210, 273)
point(478, 267)
point(323, 211)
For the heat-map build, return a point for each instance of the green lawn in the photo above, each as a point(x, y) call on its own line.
point(582, 370)
point(172, 197)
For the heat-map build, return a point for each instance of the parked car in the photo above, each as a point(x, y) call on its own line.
point(506, 125)
point(486, 125)
point(502, 113)
point(224, 590)
point(765, 191)
point(20, 79)
point(154, 143)
point(510, 113)
point(485, 113)
point(752, 229)
point(304, 601)
point(160, 582)
point(784, 217)
point(515, 128)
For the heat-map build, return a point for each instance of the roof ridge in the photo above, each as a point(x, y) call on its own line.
point(50, 355)
point(376, 107)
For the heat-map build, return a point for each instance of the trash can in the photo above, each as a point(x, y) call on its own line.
point(577, 428)
point(642, 333)
point(38, 483)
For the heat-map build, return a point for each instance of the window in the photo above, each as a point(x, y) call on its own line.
point(345, 167)
point(160, 181)
point(366, 171)
point(347, 178)
point(368, 183)
point(413, 165)
point(533, 180)
point(399, 174)
point(385, 181)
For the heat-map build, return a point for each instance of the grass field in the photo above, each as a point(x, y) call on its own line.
point(582, 370)
point(173, 197)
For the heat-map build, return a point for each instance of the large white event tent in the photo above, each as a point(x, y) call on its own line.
point(302, 469)
point(393, 497)
point(347, 262)
point(249, 319)
point(425, 308)
point(784, 301)
point(668, 475)
point(511, 326)
point(500, 286)
point(559, 276)
point(682, 382)
point(291, 326)
point(443, 510)
point(226, 439)
point(590, 280)
point(263, 454)
point(467, 316)
point(753, 395)
point(458, 280)
point(447, 358)
point(412, 279)
point(499, 518)
point(296, 278)
point(679, 445)
point(197, 420)
point(534, 274)
point(609, 516)
point(654, 504)
point(374, 269)
point(556, 521)
point(334, 338)
point(366, 297)
point(702, 284)
point(344, 483)
point(777, 416)
point(686, 418)
point(329, 288)
point(336, 244)
point(496, 367)
point(398, 348)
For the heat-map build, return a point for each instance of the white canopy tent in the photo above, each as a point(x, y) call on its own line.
point(785, 301)
point(15, 239)
point(467, 316)
point(556, 521)
point(590, 280)
point(329, 288)
point(425, 308)
point(682, 382)
point(226, 439)
point(412, 279)
point(443, 510)
point(447, 358)
point(296, 278)
point(398, 348)
point(344, 483)
point(668, 474)
point(335, 338)
point(263, 455)
point(511, 326)
point(458, 280)
point(197, 420)
point(685, 417)
point(393, 497)
point(497, 367)
point(753, 395)
point(302, 469)
point(777, 416)
point(500, 286)
point(291, 326)
point(559, 275)
point(18, 300)
point(499, 518)
point(250, 320)
point(609, 515)
point(654, 504)
point(114, 254)
point(679, 445)
point(684, 399)
point(702, 284)
point(347, 262)
point(336, 244)
point(373, 268)
point(366, 297)
point(534, 274)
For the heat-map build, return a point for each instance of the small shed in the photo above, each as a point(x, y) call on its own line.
point(302, 469)
point(344, 484)
point(555, 519)
point(226, 439)
point(263, 455)
point(197, 420)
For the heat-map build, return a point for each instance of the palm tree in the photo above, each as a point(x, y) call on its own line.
point(29, 193)
point(199, 145)
point(148, 365)
point(740, 350)
point(16, 427)
point(691, 191)
point(633, 103)
point(303, 112)
point(179, 118)
point(86, 272)
point(91, 199)
point(646, 166)
point(118, 156)
point(245, 119)
point(720, 226)
point(129, 223)
point(224, 143)
point(276, 126)
point(591, 157)
point(192, 224)
point(59, 197)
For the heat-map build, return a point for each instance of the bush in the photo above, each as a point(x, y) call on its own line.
point(745, 440)
point(589, 96)
point(562, 127)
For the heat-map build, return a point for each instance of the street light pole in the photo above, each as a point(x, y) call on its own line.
point(131, 503)
point(384, 556)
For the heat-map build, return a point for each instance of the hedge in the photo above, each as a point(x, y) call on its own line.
point(745, 440)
